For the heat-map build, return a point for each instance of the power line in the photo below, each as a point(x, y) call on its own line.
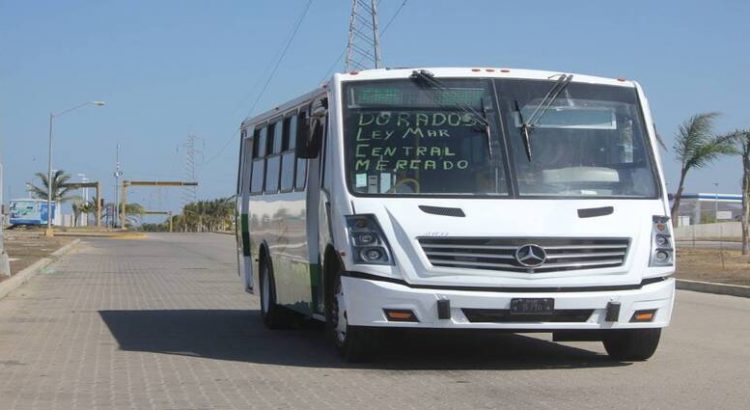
point(388, 24)
point(283, 53)
point(275, 68)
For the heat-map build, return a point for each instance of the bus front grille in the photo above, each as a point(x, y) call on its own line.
point(529, 255)
point(505, 316)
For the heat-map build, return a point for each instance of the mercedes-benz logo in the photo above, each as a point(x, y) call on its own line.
point(531, 255)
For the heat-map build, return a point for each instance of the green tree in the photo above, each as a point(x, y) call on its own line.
point(205, 215)
point(60, 192)
point(742, 138)
point(78, 207)
point(133, 213)
point(695, 147)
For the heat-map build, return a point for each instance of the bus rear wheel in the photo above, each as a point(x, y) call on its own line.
point(631, 345)
point(354, 344)
point(274, 315)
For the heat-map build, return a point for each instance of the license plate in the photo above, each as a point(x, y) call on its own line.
point(532, 305)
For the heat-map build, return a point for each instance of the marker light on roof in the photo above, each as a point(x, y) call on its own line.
point(489, 70)
point(476, 70)
point(504, 70)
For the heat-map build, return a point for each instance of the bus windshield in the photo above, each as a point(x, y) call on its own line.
point(403, 138)
point(455, 137)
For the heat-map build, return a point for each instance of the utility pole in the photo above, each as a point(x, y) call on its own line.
point(118, 174)
point(84, 179)
point(363, 48)
point(190, 193)
point(4, 260)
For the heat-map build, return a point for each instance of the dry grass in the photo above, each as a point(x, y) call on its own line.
point(25, 248)
point(706, 265)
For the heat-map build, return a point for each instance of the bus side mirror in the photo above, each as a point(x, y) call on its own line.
point(309, 138)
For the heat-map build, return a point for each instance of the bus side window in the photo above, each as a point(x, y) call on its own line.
point(258, 171)
point(278, 133)
point(259, 148)
point(273, 166)
point(243, 162)
point(287, 157)
point(273, 163)
point(301, 174)
point(256, 186)
point(247, 148)
point(270, 135)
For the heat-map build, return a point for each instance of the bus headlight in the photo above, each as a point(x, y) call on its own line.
point(368, 242)
point(662, 250)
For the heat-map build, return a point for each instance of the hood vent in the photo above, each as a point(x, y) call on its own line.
point(439, 210)
point(594, 212)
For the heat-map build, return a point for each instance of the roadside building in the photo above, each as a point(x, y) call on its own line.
point(701, 208)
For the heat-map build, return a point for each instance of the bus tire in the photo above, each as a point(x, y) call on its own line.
point(274, 315)
point(631, 345)
point(354, 344)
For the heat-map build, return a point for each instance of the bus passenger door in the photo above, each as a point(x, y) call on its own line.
point(242, 224)
point(316, 204)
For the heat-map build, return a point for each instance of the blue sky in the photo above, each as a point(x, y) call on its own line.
point(168, 69)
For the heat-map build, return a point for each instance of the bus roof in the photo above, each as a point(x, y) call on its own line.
point(479, 72)
point(440, 72)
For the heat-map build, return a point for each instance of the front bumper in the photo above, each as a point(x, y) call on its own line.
point(367, 298)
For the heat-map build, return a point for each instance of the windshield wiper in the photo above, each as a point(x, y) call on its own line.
point(528, 126)
point(425, 78)
point(524, 131)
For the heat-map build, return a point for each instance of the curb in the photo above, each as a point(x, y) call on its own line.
point(9, 285)
point(710, 287)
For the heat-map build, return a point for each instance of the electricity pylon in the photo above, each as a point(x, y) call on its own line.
point(363, 48)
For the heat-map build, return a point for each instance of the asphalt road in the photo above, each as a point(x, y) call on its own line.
point(163, 323)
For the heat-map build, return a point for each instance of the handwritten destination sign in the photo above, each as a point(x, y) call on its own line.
point(389, 141)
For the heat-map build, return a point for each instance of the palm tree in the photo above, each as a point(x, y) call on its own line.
point(133, 213)
point(88, 208)
point(77, 207)
point(742, 137)
point(205, 215)
point(59, 190)
point(695, 147)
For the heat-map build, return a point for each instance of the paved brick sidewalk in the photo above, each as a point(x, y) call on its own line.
point(163, 323)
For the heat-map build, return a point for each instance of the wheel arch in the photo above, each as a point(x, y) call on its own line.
point(331, 264)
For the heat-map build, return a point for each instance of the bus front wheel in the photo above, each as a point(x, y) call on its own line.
point(631, 345)
point(353, 343)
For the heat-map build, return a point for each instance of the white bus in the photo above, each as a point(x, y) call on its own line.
point(459, 198)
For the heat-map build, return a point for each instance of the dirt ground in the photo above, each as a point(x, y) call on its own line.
point(706, 265)
point(27, 247)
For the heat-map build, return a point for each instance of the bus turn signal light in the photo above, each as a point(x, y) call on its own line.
point(400, 315)
point(643, 316)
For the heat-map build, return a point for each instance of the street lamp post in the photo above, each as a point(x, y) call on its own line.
point(4, 260)
point(52, 116)
point(85, 220)
point(85, 190)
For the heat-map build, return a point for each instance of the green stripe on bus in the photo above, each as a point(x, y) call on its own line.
point(245, 235)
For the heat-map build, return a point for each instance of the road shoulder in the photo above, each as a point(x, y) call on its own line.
point(711, 287)
point(14, 282)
